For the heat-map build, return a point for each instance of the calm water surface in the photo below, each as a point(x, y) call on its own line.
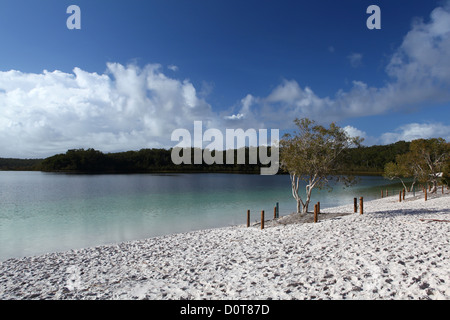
point(46, 212)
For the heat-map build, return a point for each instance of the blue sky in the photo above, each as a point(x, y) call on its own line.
point(137, 70)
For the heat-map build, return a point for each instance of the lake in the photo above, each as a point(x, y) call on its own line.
point(52, 212)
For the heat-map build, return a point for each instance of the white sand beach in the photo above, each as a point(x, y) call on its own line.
point(389, 252)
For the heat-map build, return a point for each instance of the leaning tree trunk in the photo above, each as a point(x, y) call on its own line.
point(294, 184)
point(308, 198)
point(404, 185)
point(412, 186)
point(434, 187)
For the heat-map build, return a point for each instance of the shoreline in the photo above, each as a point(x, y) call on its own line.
point(386, 253)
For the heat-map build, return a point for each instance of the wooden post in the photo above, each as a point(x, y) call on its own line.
point(355, 205)
point(403, 195)
point(262, 219)
point(361, 205)
point(278, 210)
point(381, 193)
point(248, 218)
point(318, 207)
point(315, 213)
point(426, 195)
point(275, 212)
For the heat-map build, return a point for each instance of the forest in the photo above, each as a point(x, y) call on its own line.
point(362, 160)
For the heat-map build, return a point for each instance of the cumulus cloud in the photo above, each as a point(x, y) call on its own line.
point(368, 139)
point(354, 132)
point(125, 108)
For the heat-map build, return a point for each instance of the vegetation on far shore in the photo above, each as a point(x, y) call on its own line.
point(359, 161)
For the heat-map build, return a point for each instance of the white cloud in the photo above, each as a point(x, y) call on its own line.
point(238, 116)
point(248, 115)
point(354, 132)
point(407, 132)
point(422, 59)
point(125, 108)
point(419, 75)
point(355, 59)
point(172, 67)
point(414, 131)
point(129, 107)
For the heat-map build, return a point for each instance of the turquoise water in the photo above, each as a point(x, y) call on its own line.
point(45, 212)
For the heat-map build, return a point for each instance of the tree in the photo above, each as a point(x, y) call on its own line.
point(446, 175)
point(429, 157)
point(425, 162)
point(404, 167)
point(314, 154)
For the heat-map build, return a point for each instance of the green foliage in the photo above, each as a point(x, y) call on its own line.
point(403, 168)
point(142, 161)
point(315, 150)
point(426, 161)
point(76, 160)
point(446, 173)
point(315, 154)
point(372, 160)
point(430, 158)
point(19, 164)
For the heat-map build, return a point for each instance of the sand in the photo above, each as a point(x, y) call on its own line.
point(389, 252)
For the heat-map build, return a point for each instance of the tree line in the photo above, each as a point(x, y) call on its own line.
point(360, 160)
point(19, 164)
point(142, 161)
